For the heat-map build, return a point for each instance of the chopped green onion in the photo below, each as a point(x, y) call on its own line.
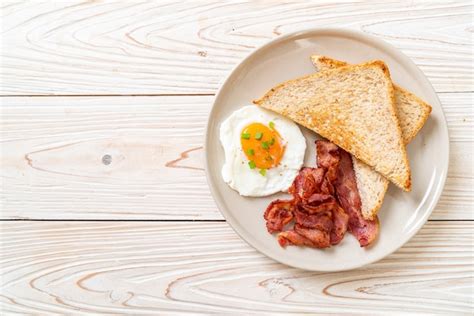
point(265, 145)
point(263, 172)
point(246, 135)
point(258, 135)
point(250, 152)
point(272, 125)
point(252, 164)
point(272, 141)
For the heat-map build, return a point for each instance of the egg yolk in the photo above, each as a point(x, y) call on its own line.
point(262, 145)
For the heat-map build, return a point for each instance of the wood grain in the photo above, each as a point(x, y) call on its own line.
point(147, 268)
point(157, 47)
point(109, 158)
point(53, 148)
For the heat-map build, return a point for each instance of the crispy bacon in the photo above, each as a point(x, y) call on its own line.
point(340, 222)
point(319, 202)
point(348, 195)
point(365, 231)
point(320, 198)
point(319, 238)
point(307, 190)
point(327, 187)
point(291, 237)
point(327, 156)
point(302, 236)
point(325, 204)
point(278, 214)
point(321, 221)
point(306, 183)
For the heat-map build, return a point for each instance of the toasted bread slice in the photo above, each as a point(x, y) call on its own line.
point(412, 114)
point(412, 111)
point(352, 106)
point(372, 188)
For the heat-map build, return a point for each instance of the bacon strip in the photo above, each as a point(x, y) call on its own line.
point(325, 204)
point(328, 157)
point(348, 195)
point(307, 182)
point(302, 236)
point(319, 202)
point(340, 223)
point(319, 238)
point(320, 221)
point(278, 214)
point(291, 237)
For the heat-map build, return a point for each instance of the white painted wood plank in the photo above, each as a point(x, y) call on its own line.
point(52, 150)
point(147, 268)
point(153, 47)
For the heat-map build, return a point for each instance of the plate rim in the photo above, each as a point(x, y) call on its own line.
point(351, 34)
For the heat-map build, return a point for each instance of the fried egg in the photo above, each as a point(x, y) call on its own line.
point(263, 151)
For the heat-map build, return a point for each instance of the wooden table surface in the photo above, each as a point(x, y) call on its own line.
point(104, 201)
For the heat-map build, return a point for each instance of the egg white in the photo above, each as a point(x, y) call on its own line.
point(236, 172)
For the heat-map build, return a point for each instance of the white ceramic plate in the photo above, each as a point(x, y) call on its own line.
point(401, 215)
